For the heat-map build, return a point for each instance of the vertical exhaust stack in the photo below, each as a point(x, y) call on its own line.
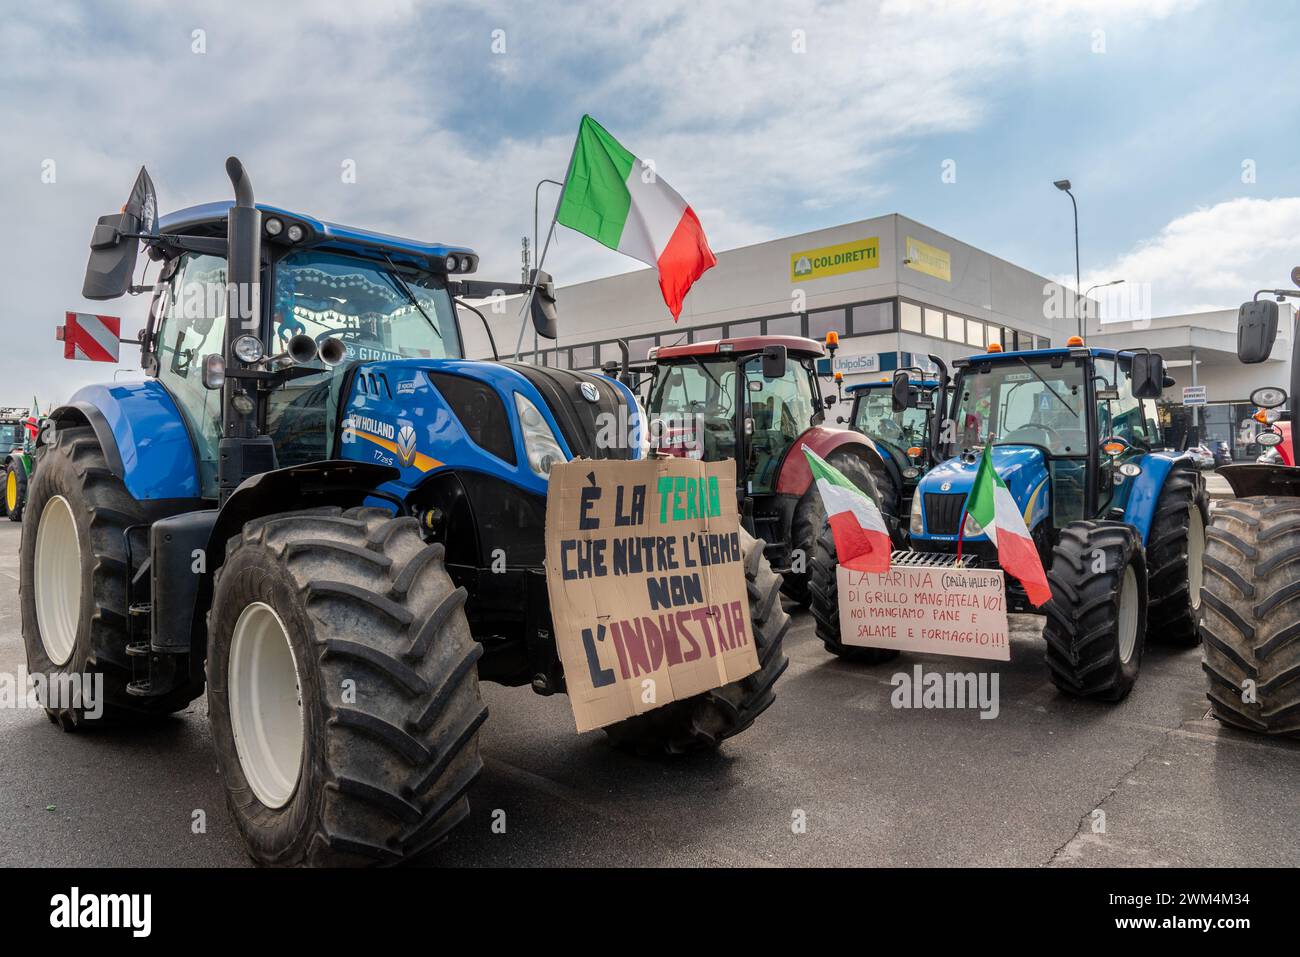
point(242, 451)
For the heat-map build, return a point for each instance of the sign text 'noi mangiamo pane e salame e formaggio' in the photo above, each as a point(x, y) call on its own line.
point(647, 586)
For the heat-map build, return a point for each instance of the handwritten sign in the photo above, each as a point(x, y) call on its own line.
point(941, 611)
point(646, 583)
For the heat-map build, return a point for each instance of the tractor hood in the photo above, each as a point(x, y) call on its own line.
point(944, 488)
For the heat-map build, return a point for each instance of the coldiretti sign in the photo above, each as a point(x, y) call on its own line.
point(834, 260)
point(928, 259)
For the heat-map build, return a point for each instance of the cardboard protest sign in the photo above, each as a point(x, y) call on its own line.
point(646, 582)
point(942, 611)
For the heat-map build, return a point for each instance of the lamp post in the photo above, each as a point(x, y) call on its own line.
point(1099, 285)
point(1064, 186)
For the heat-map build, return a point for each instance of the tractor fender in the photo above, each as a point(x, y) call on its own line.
point(145, 440)
point(1250, 479)
point(314, 485)
point(1144, 496)
point(795, 476)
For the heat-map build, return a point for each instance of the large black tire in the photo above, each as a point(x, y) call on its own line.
point(387, 680)
point(825, 588)
point(706, 720)
point(15, 489)
point(1094, 604)
point(1251, 623)
point(13, 483)
point(810, 516)
point(1175, 549)
point(74, 471)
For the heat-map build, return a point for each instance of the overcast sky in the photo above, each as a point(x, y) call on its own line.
point(1177, 122)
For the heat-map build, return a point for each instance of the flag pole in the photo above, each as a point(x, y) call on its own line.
point(537, 271)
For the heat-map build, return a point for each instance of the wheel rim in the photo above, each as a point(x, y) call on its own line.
point(1195, 554)
point(1128, 615)
point(266, 705)
point(11, 491)
point(57, 584)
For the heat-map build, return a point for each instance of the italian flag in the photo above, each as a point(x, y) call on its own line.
point(990, 503)
point(619, 201)
point(861, 537)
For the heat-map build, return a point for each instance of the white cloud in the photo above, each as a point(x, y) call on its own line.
point(448, 139)
point(1212, 258)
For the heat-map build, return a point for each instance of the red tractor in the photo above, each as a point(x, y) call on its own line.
point(758, 400)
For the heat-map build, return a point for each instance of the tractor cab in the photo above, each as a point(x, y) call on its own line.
point(900, 418)
point(13, 429)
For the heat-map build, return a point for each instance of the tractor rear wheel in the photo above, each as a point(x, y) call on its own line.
point(810, 516)
point(824, 584)
point(342, 688)
point(1175, 555)
point(706, 720)
point(1096, 619)
point(15, 496)
point(1251, 623)
point(73, 584)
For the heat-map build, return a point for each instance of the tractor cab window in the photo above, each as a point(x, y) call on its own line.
point(1030, 402)
point(692, 399)
point(780, 410)
point(1132, 419)
point(877, 419)
point(368, 308)
point(193, 326)
point(11, 435)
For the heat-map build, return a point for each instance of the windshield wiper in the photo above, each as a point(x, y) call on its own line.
point(1058, 395)
point(399, 281)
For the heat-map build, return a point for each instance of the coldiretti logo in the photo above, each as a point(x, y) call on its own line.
point(834, 260)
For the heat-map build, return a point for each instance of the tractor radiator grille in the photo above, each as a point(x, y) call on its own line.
point(943, 513)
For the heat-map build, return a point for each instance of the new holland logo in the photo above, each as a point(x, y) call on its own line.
point(406, 445)
point(589, 392)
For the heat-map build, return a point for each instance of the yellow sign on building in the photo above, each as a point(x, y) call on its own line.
point(834, 260)
point(928, 259)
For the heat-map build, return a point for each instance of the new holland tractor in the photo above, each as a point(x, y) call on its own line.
point(757, 400)
point(1251, 628)
point(1118, 521)
point(15, 442)
point(905, 433)
point(317, 511)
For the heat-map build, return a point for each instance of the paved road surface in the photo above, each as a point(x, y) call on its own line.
point(875, 785)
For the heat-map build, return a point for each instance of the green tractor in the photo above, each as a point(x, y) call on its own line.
point(315, 509)
point(18, 429)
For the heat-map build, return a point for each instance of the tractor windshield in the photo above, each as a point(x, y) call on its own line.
point(1037, 401)
point(877, 419)
point(11, 435)
point(693, 406)
point(365, 305)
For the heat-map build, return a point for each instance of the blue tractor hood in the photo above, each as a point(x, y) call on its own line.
point(1022, 467)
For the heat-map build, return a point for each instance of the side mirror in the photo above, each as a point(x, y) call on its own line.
point(773, 362)
point(904, 397)
point(543, 309)
point(829, 401)
point(1256, 330)
point(113, 254)
point(1148, 374)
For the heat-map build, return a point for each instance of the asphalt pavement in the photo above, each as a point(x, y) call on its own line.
point(832, 774)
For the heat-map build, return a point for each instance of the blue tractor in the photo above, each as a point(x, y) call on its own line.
point(903, 429)
point(318, 511)
point(1118, 521)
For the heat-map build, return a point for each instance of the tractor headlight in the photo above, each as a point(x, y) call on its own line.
point(295, 233)
point(452, 264)
point(970, 528)
point(273, 226)
point(917, 525)
point(248, 349)
point(539, 441)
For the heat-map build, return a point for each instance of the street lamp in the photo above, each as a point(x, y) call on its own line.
point(1100, 285)
point(1064, 186)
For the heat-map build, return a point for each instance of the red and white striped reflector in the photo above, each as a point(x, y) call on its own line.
point(91, 337)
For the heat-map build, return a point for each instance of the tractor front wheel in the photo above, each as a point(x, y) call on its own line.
point(342, 688)
point(1175, 557)
point(1096, 619)
point(706, 720)
point(15, 496)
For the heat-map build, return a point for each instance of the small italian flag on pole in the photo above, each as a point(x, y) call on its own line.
point(990, 503)
point(861, 537)
point(619, 201)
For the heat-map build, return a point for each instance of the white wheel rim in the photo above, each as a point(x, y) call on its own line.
point(1128, 615)
point(1195, 554)
point(57, 584)
point(266, 705)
